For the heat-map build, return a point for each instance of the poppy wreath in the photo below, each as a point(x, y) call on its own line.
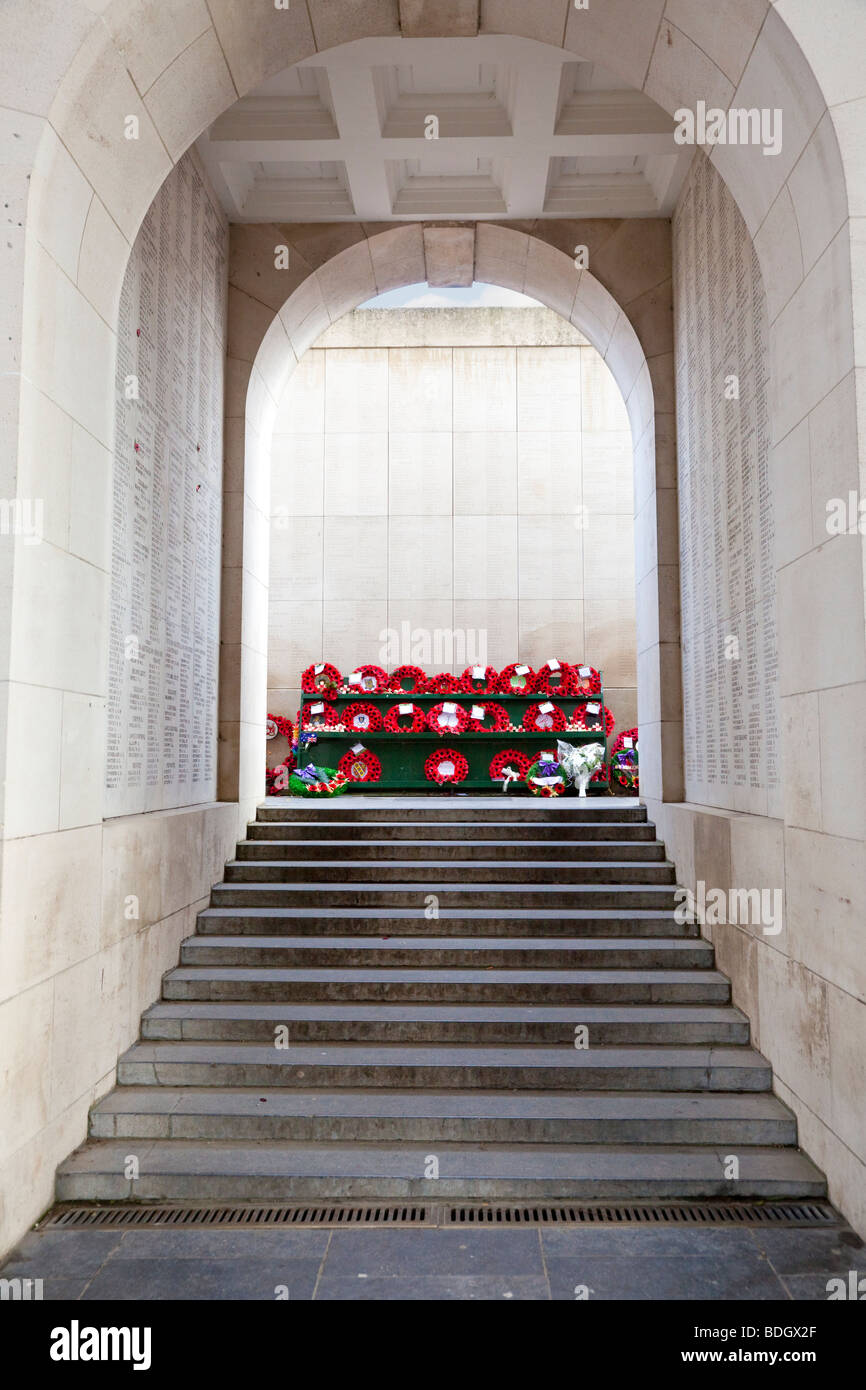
point(393, 717)
point(555, 787)
point(408, 673)
point(589, 684)
point(624, 770)
point(533, 715)
point(618, 745)
point(360, 767)
point(318, 781)
point(487, 686)
point(592, 722)
point(497, 721)
point(325, 719)
point(601, 774)
point(369, 673)
point(445, 684)
point(277, 724)
point(446, 765)
point(325, 682)
point(277, 778)
point(368, 715)
point(509, 675)
point(562, 681)
point(509, 757)
point(447, 722)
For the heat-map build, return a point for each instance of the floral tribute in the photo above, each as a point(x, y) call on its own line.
point(480, 680)
point(416, 678)
point(496, 718)
point(361, 718)
point(516, 679)
point(445, 684)
point(544, 717)
point(312, 717)
point(398, 714)
point(555, 678)
point(546, 777)
point(624, 760)
point(447, 718)
point(509, 760)
point(323, 679)
point(589, 716)
point(602, 774)
point(360, 765)
point(371, 679)
point(446, 765)
point(588, 679)
point(277, 778)
point(277, 724)
point(317, 781)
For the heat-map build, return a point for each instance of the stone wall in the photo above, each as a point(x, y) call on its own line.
point(800, 978)
point(446, 492)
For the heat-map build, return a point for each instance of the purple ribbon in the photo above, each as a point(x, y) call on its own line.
point(309, 774)
point(547, 769)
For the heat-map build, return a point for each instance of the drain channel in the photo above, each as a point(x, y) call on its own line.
point(448, 1215)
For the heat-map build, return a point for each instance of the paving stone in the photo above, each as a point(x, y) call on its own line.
point(194, 1279)
point(664, 1277)
point(450, 1289)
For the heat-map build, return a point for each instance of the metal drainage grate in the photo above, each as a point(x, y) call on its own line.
point(447, 1215)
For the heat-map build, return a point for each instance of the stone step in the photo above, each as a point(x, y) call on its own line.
point(451, 1066)
point(606, 1025)
point(448, 808)
point(428, 1117)
point(387, 852)
point(347, 921)
point(444, 831)
point(526, 897)
point(267, 983)
point(446, 953)
point(525, 872)
point(179, 1171)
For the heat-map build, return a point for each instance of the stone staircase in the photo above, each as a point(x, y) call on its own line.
point(414, 1039)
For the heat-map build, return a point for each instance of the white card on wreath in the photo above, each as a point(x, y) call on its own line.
point(317, 709)
point(554, 665)
point(358, 748)
point(355, 678)
point(320, 669)
point(593, 709)
point(478, 673)
point(521, 670)
point(628, 743)
point(406, 709)
point(449, 708)
point(546, 708)
point(479, 712)
point(584, 671)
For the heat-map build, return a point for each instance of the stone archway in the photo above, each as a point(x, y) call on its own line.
point(634, 341)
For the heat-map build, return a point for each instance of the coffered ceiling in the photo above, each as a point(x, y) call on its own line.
point(524, 131)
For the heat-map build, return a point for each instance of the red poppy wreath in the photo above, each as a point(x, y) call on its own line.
point(495, 719)
point(361, 718)
point(318, 715)
point(413, 674)
point(480, 680)
point(395, 719)
point(588, 679)
point(277, 724)
point(541, 719)
point(322, 679)
point(516, 679)
point(601, 774)
point(509, 758)
point(371, 679)
point(588, 717)
point(446, 765)
point(448, 719)
point(445, 684)
point(619, 744)
point(360, 765)
point(555, 679)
